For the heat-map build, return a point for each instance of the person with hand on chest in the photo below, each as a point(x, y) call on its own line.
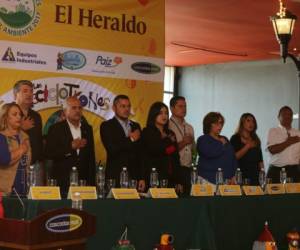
point(121, 139)
point(70, 143)
point(185, 138)
point(31, 120)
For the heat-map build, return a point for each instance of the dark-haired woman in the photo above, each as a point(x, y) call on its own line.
point(214, 150)
point(160, 149)
point(247, 148)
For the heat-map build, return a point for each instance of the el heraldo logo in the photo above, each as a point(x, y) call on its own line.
point(19, 17)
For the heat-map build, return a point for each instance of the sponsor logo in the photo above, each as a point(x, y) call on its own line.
point(71, 59)
point(59, 92)
point(19, 17)
point(8, 55)
point(145, 68)
point(21, 57)
point(63, 223)
point(275, 188)
point(106, 64)
point(52, 92)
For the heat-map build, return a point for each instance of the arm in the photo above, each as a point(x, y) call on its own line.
point(240, 148)
point(11, 157)
point(18, 153)
point(187, 139)
point(153, 142)
point(276, 148)
point(209, 147)
point(112, 142)
point(57, 145)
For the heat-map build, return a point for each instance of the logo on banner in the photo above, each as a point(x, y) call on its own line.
point(63, 223)
point(71, 60)
point(8, 55)
point(52, 93)
point(25, 57)
point(145, 68)
point(19, 17)
point(107, 64)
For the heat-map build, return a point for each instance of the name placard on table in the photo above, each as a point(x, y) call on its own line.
point(123, 194)
point(202, 190)
point(292, 188)
point(253, 190)
point(275, 189)
point(86, 192)
point(230, 190)
point(44, 193)
point(162, 193)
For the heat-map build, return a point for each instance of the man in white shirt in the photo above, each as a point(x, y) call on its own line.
point(284, 147)
point(185, 138)
point(70, 143)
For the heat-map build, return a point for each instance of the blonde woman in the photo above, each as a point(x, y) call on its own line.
point(15, 150)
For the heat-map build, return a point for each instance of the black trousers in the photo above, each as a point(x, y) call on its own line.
point(292, 171)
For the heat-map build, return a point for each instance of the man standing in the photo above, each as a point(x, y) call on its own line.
point(31, 122)
point(121, 139)
point(284, 147)
point(71, 143)
point(185, 138)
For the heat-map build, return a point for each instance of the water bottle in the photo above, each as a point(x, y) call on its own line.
point(124, 178)
point(219, 180)
point(31, 177)
point(77, 201)
point(238, 176)
point(154, 182)
point(219, 177)
point(194, 176)
point(262, 178)
point(100, 181)
point(74, 177)
point(283, 176)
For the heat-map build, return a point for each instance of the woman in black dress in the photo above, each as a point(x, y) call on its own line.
point(247, 148)
point(160, 148)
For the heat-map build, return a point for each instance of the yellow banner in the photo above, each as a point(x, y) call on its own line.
point(96, 48)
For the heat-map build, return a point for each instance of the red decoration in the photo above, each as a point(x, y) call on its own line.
point(144, 2)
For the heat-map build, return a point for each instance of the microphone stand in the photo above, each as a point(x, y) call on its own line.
point(21, 202)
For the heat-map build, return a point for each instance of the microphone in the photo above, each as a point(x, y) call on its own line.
point(21, 202)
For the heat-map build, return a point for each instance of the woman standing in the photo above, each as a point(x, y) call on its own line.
point(214, 150)
point(15, 150)
point(159, 145)
point(247, 148)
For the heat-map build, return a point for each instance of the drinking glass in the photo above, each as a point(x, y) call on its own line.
point(133, 184)
point(269, 181)
point(82, 182)
point(164, 183)
point(247, 182)
point(111, 183)
point(52, 182)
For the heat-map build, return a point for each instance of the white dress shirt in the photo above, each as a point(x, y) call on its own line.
point(181, 129)
point(291, 154)
point(75, 131)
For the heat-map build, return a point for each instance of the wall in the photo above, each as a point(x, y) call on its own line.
point(260, 88)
